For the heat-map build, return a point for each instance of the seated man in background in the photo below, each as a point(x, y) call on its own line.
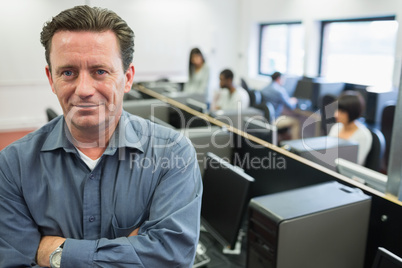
point(350, 108)
point(230, 97)
point(277, 95)
point(97, 187)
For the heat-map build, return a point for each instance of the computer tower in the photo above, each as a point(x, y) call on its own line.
point(375, 103)
point(323, 225)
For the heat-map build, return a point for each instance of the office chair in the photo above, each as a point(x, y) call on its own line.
point(327, 113)
point(376, 153)
point(244, 84)
point(387, 122)
point(269, 111)
point(255, 97)
point(51, 114)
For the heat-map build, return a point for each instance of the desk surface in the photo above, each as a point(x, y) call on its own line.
point(220, 260)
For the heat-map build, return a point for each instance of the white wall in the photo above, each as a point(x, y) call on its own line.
point(165, 33)
point(309, 12)
point(166, 30)
point(24, 92)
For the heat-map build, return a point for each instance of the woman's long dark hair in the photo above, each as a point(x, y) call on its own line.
point(190, 65)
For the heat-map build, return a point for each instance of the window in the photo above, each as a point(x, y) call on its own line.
point(359, 51)
point(281, 48)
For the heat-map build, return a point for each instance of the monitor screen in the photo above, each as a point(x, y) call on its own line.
point(362, 174)
point(386, 259)
point(261, 129)
point(196, 105)
point(225, 199)
point(290, 83)
point(235, 118)
point(304, 89)
point(158, 121)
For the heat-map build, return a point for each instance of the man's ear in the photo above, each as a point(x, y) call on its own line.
point(49, 77)
point(129, 78)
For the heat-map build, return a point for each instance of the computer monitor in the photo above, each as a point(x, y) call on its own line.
point(261, 129)
point(235, 118)
point(162, 86)
point(209, 139)
point(304, 89)
point(313, 90)
point(147, 107)
point(306, 93)
point(159, 87)
point(291, 83)
point(328, 88)
point(182, 97)
point(224, 200)
point(386, 259)
point(362, 174)
point(158, 121)
point(132, 95)
point(196, 105)
point(323, 150)
point(181, 118)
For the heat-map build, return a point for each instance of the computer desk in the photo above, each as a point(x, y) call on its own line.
point(310, 121)
point(386, 209)
point(220, 260)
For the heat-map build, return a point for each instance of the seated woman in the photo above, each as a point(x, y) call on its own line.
point(350, 107)
point(198, 73)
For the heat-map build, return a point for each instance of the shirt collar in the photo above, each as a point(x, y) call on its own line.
point(124, 136)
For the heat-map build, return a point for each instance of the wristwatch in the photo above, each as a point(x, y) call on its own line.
point(55, 257)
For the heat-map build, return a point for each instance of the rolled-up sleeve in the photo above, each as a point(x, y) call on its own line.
point(46, 189)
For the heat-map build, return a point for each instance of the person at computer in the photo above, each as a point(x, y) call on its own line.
point(229, 96)
point(97, 187)
point(351, 105)
point(277, 95)
point(198, 74)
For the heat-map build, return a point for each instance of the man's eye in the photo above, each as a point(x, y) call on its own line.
point(68, 73)
point(100, 72)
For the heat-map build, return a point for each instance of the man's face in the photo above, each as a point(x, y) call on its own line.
point(223, 82)
point(88, 78)
point(281, 80)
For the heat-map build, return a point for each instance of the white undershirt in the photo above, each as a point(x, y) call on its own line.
point(88, 161)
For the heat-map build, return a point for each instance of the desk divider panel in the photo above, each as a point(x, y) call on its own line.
point(276, 170)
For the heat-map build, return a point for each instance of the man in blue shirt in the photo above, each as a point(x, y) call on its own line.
point(276, 94)
point(97, 187)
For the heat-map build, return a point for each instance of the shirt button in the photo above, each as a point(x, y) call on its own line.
point(91, 219)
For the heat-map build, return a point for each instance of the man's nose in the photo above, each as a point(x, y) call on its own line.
point(84, 87)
